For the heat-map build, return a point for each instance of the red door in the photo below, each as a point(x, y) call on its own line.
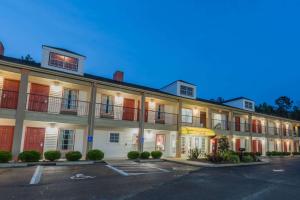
point(203, 119)
point(6, 137)
point(254, 146)
point(237, 144)
point(38, 99)
point(237, 123)
point(285, 147)
point(259, 144)
point(214, 145)
point(128, 109)
point(34, 139)
point(254, 126)
point(10, 92)
point(259, 128)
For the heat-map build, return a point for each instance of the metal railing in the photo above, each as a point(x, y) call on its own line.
point(9, 99)
point(273, 130)
point(157, 117)
point(220, 124)
point(56, 105)
point(116, 112)
point(240, 127)
point(194, 121)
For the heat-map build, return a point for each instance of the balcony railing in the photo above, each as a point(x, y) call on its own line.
point(220, 124)
point(193, 121)
point(240, 127)
point(157, 117)
point(273, 130)
point(56, 105)
point(9, 99)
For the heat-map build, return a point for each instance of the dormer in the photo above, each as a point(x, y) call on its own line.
point(181, 88)
point(62, 60)
point(242, 103)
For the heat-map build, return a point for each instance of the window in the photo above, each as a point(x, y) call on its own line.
point(249, 105)
point(64, 62)
point(187, 115)
point(107, 108)
point(160, 113)
point(114, 137)
point(160, 142)
point(186, 91)
point(66, 140)
point(69, 100)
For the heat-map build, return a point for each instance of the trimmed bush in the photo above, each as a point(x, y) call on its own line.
point(95, 154)
point(277, 153)
point(215, 158)
point(145, 155)
point(73, 156)
point(133, 155)
point(234, 158)
point(247, 158)
point(296, 153)
point(156, 154)
point(30, 156)
point(52, 155)
point(5, 156)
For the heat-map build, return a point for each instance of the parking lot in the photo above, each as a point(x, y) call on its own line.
point(114, 180)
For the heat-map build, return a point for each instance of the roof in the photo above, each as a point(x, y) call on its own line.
point(237, 98)
point(65, 50)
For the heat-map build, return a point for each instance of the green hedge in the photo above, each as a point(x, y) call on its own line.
point(277, 153)
point(5, 156)
point(95, 154)
point(52, 155)
point(133, 155)
point(145, 155)
point(156, 154)
point(30, 156)
point(73, 156)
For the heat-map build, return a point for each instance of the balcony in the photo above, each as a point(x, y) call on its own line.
point(56, 105)
point(220, 124)
point(9, 99)
point(240, 127)
point(273, 130)
point(157, 117)
point(194, 121)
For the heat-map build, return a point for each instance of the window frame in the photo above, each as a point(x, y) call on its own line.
point(186, 90)
point(60, 142)
point(115, 139)
point(63, 63)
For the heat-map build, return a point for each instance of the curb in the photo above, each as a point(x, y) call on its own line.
point(199, 164)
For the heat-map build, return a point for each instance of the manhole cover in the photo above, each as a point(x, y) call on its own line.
point(81, 177)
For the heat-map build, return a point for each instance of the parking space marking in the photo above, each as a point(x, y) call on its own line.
point(36, 176)
point(117, 170)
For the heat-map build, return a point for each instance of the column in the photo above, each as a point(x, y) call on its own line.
point(91, 118)
point(141, 124)
point(267, 136)
point(230, 137)
point(281, 136)
point(20, 114)
point(178, 136)
point(250, 131)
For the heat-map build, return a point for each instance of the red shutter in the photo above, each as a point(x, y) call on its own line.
point(34, 139)
point(128, 109)
point(237, 124)
point(6, 138)
point(9, 98)
point(237, 144)
point(38, 99)
point(254, 126)
point(203, 119)
point(259, 126)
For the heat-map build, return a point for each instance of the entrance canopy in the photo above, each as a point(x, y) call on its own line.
point(197, 131)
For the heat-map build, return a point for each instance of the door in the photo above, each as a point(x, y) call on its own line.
point(259, 127)
point(237, 124)
point(6, 138)
point(259, 144)
point(10, 92)
point(203, 119)
point(214, 145)
point(254, 126)
point(128, 109)
point(34, 139)
point(38, 99)
point(237, 144)
point(285, 149)
point(254, 146)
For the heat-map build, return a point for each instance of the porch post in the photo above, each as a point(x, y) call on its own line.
point(250, 131)
point(178, 138)
point(141, 124)
point(281, 136)
point(20, 114)
point(230, 137)
point(91, 117)
point(267, 136)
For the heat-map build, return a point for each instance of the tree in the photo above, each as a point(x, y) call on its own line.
point(28, 59)
point(223, 144)
point(295, 114)
point(284, 105)
point(265, 108)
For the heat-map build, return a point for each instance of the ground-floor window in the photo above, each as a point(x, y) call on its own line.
point(160, 142)
point(114, 137)
point(66, 140)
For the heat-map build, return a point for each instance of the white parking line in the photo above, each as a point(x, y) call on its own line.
point(117, 170)
point(37, 175)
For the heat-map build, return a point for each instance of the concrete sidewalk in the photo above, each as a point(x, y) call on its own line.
point(203, 164)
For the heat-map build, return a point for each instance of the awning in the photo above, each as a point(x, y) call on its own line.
point(197, 131)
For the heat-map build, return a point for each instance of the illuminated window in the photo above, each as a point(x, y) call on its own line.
point(160, 142)
point(64, 62)
point(69, 101)
point(66, 140)
point(248, 105)
point(187, 91)
point(114, 137)
point(187, 115)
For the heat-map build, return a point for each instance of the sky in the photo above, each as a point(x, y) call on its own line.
point(227, 48)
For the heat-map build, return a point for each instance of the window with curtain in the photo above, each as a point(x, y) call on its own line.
point(187, 115)
point(66, 140)
point(61, 61)
point(107, 107)
point(70, 99)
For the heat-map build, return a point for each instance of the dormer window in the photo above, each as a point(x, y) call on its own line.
point(64, 62)
point(249, 105)
point(186, 91)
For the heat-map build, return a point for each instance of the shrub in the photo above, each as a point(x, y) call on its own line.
point(194, 153)
point(73, 156)
point(95, 154)
point(133, 155)
point(296, 153)
point(223, 144)
point(247, 158)
point(215, 158)
point(145, 155)
point(233, 158)
point(30, 156)
point(52, 155)
point(5, 156)
point(156, 154)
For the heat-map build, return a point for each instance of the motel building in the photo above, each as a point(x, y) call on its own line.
point(54, 105)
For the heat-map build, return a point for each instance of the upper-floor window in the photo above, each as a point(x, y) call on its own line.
point(249, 105)
point(187, 91)
point(187, 115)
point(61, 61)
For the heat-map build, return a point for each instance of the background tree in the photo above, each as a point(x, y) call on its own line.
point(28, 59)
point(284, 105)
point(265, 108)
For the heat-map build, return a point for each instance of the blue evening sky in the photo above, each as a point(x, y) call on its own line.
point(228, 48)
